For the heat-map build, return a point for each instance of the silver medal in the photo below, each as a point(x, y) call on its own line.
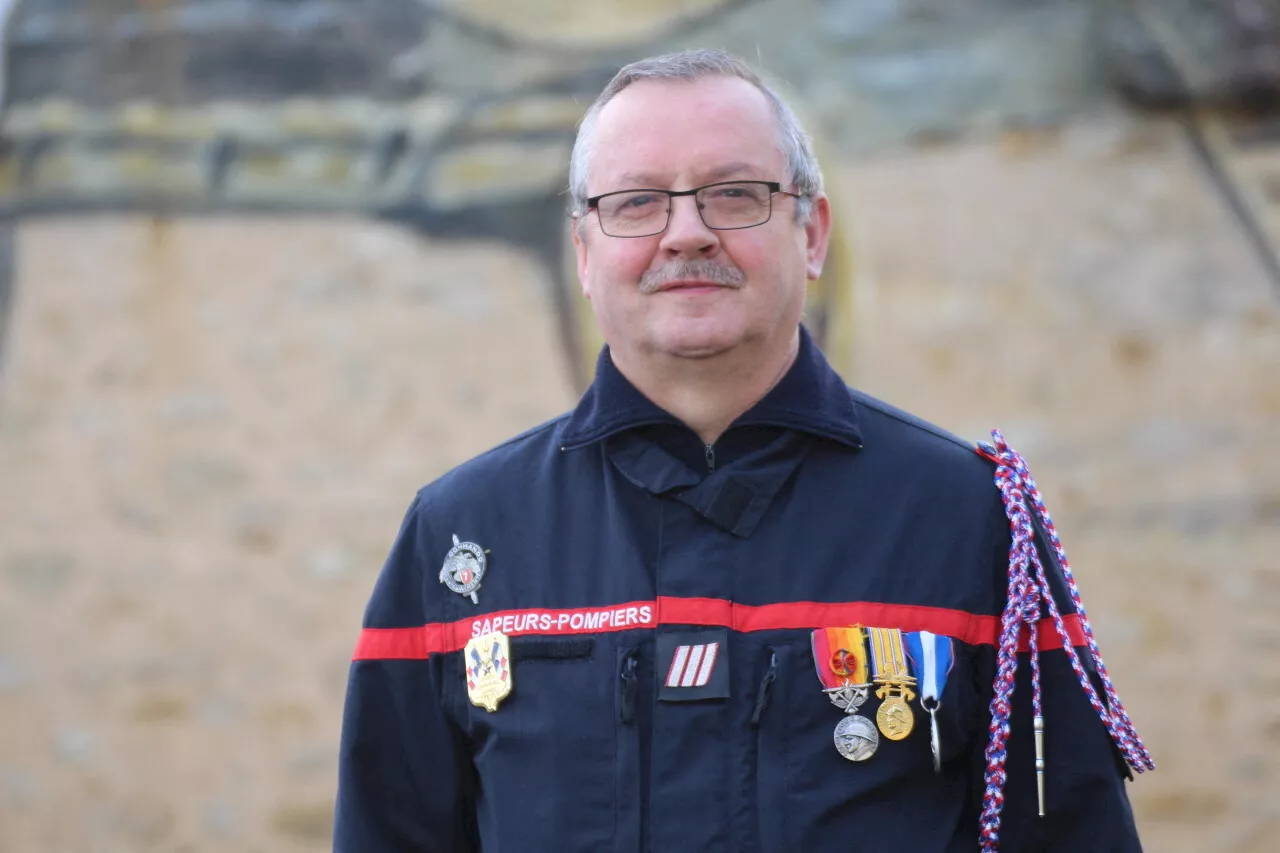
point(856, 738)
point(463, 568)
point(935, 742)
point(847, 697)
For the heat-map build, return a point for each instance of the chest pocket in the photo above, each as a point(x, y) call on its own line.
point(548, 760)
point(812, 798)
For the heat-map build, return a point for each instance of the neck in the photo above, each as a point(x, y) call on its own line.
point(707, 394)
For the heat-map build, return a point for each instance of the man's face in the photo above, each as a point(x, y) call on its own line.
point(691, 291)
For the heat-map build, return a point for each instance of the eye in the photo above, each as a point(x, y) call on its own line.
point(736, 192)
point(641, 200)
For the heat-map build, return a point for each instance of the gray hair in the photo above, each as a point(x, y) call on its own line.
point(692, 65)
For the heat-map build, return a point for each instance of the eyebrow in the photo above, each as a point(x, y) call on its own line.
point(647, 180)
point(730, 170)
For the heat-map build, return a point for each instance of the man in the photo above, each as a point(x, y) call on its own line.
point(726, 604)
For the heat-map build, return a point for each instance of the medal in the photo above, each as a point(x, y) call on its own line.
point(890, 672)
point(932, 656)
point(488, 662)
point(894, 714)
point(840, 656)
point(848, 698)
point(463, 568)
point(856, 738)
point(840, 659)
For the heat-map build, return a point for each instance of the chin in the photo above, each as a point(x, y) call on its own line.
point(699, 346)
point(695, 337)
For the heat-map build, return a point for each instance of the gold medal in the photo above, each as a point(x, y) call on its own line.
point(894, 716)
point(891, 673)
point(488, 662)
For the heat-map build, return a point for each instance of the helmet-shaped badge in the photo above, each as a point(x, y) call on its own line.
point(463, 569)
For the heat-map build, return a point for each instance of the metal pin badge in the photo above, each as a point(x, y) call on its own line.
point(464, 568)
point(489, 678)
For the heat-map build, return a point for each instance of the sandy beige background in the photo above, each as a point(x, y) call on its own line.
point(209, 430)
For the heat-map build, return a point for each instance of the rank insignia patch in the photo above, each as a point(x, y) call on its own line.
point(488, 662)
point(693, 665)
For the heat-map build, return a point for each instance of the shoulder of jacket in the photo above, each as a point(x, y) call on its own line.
point(477, 476)
point(901, 429)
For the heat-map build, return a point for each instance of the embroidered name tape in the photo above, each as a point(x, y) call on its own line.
point(584, 621)
point(693, 665)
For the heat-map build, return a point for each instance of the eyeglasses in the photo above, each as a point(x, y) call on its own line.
point(725, 206)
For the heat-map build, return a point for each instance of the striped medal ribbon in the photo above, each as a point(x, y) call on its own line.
point(890, 672)
point(840, 659)
point(932, 656)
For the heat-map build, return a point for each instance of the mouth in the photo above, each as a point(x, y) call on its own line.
point(691, 285)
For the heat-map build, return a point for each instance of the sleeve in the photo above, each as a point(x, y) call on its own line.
point(1086, 805)
point(405, 783)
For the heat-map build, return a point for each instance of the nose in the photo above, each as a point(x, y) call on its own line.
point(687, 235)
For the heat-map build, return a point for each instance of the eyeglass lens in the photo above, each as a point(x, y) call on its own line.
point(723, 206)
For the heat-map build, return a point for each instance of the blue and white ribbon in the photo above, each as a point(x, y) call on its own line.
point(932, 657)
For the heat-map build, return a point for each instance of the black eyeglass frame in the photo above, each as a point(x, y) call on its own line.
point(774, 187)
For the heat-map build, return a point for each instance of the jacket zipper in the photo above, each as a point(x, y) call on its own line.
point(627, 705)
point(766, 685)
point(710, 452)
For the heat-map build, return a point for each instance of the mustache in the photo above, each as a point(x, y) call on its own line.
point(721, 274)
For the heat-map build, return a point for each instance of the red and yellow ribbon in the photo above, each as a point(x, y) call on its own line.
point(840, 655)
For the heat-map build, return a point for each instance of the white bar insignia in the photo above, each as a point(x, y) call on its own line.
point(692, 665)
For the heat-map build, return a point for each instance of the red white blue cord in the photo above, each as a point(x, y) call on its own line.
point(1028, 589)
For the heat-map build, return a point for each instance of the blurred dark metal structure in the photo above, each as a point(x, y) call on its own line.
point(1217, 64)
point(195, 107)
point(420, 113)
point(190, 107)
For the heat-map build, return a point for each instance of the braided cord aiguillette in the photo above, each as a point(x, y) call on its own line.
point(1028, 590)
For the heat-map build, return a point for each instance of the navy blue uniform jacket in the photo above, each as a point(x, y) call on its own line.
point(613, 535)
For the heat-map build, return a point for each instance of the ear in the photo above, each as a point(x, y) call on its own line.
point(817, 236)
point(578, 230)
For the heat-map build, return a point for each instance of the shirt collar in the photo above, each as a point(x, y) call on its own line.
point(811, 398)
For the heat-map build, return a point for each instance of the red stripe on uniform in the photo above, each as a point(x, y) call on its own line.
point(404, 643)
point(966, 627)
point(423, 641)
point(1048, 637)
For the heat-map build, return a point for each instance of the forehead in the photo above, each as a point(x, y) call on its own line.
point(673, 132)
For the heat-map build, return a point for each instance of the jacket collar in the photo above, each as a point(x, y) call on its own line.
point(810, 398)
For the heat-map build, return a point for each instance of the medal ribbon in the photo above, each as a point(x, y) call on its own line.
point(932, 656)
point(840, 655)
point(888, 657)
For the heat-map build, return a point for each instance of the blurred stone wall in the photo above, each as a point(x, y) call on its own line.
point(218, 393)
point(455, 119)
